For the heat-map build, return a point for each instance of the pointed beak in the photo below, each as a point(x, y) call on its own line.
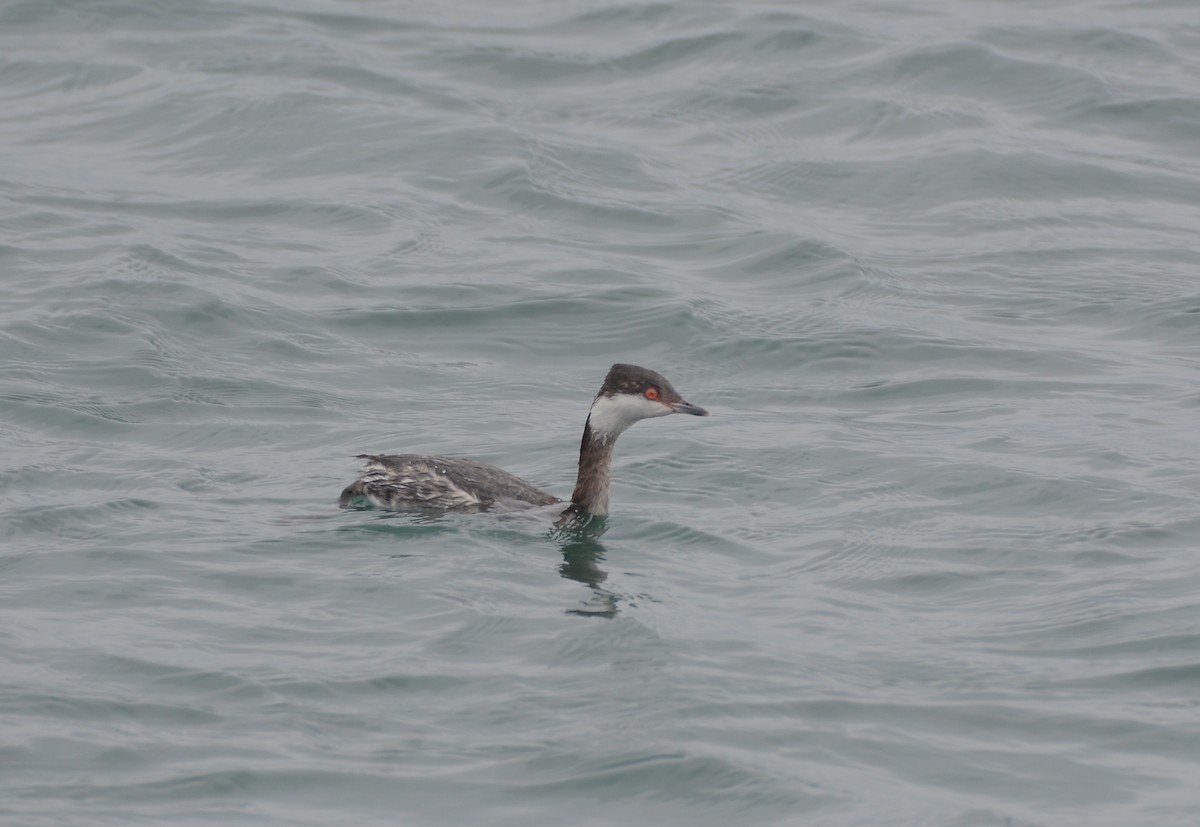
point(687, 408)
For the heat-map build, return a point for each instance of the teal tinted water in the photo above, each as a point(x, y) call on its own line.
point(932, 266)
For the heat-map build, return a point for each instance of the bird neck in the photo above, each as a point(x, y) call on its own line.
point(595, 471)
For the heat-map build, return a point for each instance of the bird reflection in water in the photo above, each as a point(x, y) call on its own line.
point(582, 554)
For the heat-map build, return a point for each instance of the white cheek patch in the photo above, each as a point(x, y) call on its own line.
point(611, 415)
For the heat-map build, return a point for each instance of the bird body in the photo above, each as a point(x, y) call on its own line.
point(404, 481)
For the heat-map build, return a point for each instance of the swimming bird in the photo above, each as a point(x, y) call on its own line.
point(412, 481)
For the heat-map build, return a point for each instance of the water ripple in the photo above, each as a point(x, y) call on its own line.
point(930, 561)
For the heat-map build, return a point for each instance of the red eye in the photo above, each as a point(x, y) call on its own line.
point(652, 393)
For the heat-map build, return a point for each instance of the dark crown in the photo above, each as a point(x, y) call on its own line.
point(635, 380)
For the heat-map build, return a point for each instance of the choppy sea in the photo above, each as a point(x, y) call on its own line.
point(933, 266)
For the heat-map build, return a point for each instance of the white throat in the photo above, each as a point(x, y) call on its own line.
point(610, 415)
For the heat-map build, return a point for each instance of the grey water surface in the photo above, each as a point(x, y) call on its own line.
point(933, 266)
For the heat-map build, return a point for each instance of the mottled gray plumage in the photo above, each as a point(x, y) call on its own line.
point(403, 481)
point(411, 480)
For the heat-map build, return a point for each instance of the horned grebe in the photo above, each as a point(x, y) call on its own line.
point(403, 481)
